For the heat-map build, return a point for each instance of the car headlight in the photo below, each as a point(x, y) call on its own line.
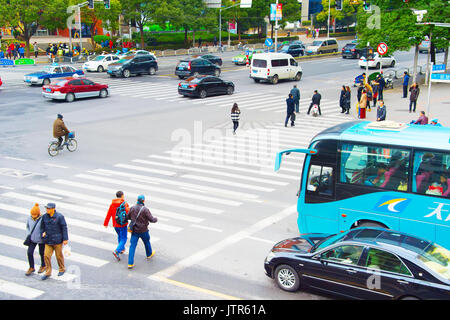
point(34, 79)
point(270, 256)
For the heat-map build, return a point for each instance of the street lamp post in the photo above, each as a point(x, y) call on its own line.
point(276, 28)
point(328, 23)
point(220, 24)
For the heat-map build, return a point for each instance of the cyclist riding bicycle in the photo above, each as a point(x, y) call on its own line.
point(60, 130)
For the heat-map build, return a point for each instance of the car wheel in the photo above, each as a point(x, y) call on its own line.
point(362, 67)
point(181, 77)
point(70, 97)
point(256, 80)
point(216, 72)
point(151, 71)
point(377, 66)
point(409, 298)
point(275, 79)
point(287, 278)
point(126, 73)
point(103, 93)
point(203, 94)
point(298, 76)
point(392, 63)
point(343, 57)
point(230, 90)
point(195, 74)
point(100, 69)
point(46, 82)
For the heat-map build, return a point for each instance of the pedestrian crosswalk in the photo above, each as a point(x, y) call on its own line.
point(187, 188)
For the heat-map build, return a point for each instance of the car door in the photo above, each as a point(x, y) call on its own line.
point(335, 270)
point(90, 89)
point(134, 65)
point(209, 67)
point(209, 86)
point(77, 88)
point(385, 275)
point(293, 65)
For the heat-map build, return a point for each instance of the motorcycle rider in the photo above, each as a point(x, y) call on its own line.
point(60, 130)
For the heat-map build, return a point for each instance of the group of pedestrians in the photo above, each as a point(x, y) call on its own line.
point(15, 51)
point(370, 95)
point(49, 233)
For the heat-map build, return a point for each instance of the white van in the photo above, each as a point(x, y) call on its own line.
point(274, 66)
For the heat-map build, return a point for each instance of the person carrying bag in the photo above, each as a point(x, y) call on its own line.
point(34, 239)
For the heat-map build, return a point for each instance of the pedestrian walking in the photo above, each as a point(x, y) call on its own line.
point(348, 99)
point(296, 96)
point(413, 96)
point(118, 211)
point(405, 84)
point(342, 99)
point(200, 42)
point(36, 49)
point(359, 92)
point(290, 111)
point(34, 239)
point(381, 111)
point(375, 88)
point(369, 93)
point(315, 101)
point(423, 119)
point(382, 84)
point(21, 51)
point(140, 216)
point(235, 114)
point(55, 235)
point(2, 54)
point(363, 105)
point(215, 41)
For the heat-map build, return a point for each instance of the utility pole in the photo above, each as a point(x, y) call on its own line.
point(328, 23)
point(276, 28)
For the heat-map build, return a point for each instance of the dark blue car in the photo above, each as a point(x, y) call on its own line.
point(362, 263)
point(45, 76)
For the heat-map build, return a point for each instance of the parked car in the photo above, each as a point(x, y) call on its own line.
point(1, 82)
point(74, 88)
point(51, 72)
point(195, 66)
point(137, 52)
point(362, 263)
point(322, 46)
point(203, 86)
point(242, 59)
point(351, 51)
point(100, 63)
point(424, 47)
point(377, 61)
point(212, 58)
point(274, 66)
point(137, 64)
point(294, 50)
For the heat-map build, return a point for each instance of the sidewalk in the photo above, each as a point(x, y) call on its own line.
point(397, 108)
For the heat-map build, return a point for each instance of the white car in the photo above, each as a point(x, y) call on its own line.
point(377, 61)
point(136, 52)
point(100, 63)
point(274, 66)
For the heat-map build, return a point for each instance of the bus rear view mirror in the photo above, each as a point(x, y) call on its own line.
point(279, 155)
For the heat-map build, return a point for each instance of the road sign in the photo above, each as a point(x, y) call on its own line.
point(276, 11)
point(382, 48)
point(23, 62)
point(439, 68)
point(6, 62)
point(440, 77)
point(246, 4)
point(268, 42)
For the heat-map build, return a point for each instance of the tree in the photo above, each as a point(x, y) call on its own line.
point(25, 16)
point(345, 15)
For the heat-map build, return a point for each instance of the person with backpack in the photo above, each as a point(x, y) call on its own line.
point(118, 211)
point(140, 216)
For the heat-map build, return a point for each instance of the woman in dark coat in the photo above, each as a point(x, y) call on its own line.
point(348, 99)
point(342, 99)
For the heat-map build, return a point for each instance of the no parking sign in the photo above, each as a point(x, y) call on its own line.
point(382, 48)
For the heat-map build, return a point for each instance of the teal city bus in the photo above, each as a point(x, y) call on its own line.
point(383, 174)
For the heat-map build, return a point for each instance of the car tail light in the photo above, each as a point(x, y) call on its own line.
point(179, 84)
point(268, 71)
point(353, 49)
point(371, 60)
point(189, 66)
point(192, 85)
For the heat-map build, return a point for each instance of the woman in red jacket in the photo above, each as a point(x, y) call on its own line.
point(121, 229)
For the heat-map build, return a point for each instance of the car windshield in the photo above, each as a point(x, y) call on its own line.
point(316, 43)
point(437, 259)
point(61, 83)
point(47, 69)
point(328, 241)
point(183, 64)
point(99, 58)
point(285, 48)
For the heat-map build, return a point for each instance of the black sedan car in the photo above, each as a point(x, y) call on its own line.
point(203, 86)
point(139, 64)
point(295, 50)
point(351, 51)
point(196, 66)
point(362, 263)
point(213, 59)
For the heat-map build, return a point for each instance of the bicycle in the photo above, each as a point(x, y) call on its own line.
point(71, 145)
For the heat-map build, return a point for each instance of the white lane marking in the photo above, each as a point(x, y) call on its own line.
point(76, 257)
point(19, 290)
point(55, 165)
point(262, 240)
point(12, 158)
point(163, 172)
point(230, 240)
point(7, 188)
point(206, 228)
point(226, 182)
point(48, 196)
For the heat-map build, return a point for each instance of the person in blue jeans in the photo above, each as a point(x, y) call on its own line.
point(121, 229)
point(141, 216)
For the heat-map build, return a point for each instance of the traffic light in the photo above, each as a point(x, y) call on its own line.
point(91, 4)
point(107, 4)
point(338, 4)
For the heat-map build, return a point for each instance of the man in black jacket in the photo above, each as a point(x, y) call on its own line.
point(290, 111)
point(315, 100)
point(54, 233)
point(141, 216)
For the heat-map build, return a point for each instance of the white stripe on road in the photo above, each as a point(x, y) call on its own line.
point(226, 182)
point(163, 172)
point(206, 228)
point(76, 257)
point(19, 290)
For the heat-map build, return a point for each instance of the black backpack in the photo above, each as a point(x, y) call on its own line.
point(121, 214)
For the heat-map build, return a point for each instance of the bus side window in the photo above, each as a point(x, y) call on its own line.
point(320, 180)
point(431, 174)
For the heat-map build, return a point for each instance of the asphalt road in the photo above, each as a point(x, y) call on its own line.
point(220, 205)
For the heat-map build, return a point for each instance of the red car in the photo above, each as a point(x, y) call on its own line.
point(74, 88)
point(1, 82)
